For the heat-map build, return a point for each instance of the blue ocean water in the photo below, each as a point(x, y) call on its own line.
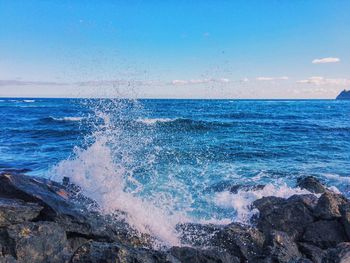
point(178, 155)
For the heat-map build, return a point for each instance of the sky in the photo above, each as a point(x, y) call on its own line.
point(175, 49)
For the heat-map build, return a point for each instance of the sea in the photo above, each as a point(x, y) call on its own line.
point(165, 161)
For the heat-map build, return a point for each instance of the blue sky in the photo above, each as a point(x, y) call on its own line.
point(180, 49)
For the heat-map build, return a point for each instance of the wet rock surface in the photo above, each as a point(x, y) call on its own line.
point(44, 221)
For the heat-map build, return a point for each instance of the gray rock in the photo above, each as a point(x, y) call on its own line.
point(281, 248)
point(7, 259)
point(310, 200)
point(96, 252)
point(325, 234)
point(328, 205)
point(58, 207)
point(39, 242)
point(187, 254)
point(198, 234)
point(288, 215)
point(246, 242)
point(311, 184)
point(315, 254)
point(239, 187)
point(7, 245)
point(339, 254)
point(13, 211)
point(345, 218)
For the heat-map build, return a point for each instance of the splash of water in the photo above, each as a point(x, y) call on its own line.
point(105, 170)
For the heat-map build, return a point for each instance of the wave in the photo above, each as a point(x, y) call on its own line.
point(242, 201)
point(150, 121)
point(62, 119)
point(183, 123)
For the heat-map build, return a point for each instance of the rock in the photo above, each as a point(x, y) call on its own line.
point(94, 252)
point(315, 254)
point(13, 211)
point(197, 234)
point(310, 200)
point(239, 187)
point(187, 254)
point(7, 259)
point(39, 242)
point(246, 242)
point(339, 254)
point(325, 234)
point(58, 207)
point(328, 205)
point(345, 218)
point(7, 245)
point(311, 184)
point(288, 215)
point(281, 248)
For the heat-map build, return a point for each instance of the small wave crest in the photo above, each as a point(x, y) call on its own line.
point(242, 201)
point(182, 123)
point(63, 119)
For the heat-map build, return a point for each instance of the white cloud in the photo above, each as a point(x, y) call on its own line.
point(318, 81)
point(325, 60)
point(199, 81)
point(271, 78)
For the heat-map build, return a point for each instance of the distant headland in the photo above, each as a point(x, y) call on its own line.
point(344, 95)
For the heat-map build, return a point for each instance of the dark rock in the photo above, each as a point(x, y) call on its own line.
point(233, 188)
point(246, 242)
point(7, 245)
point(187, 254)
point(328, 205)
point(281, 248)
point(7, 259)
point(13, 211)
point(344, 95)
point(315, 254)
point(339, 254)
point(39, 242)
point(310, 200)
point(197, 234)
point(239, 187)
point(311, 184)
point(325, 234)
point(94, 252)
point(58, 207)
point(345, 218)
point(288, 215)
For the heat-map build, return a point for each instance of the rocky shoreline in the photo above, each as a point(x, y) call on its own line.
point(44, 221)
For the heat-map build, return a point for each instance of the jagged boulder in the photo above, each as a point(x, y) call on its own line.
point(243, 241)
point(57, 205)
point(94, 252)
point(311, 184)
point(290, 215)
point(325, 234)
point(14, 211)
point(339, 254)
point(328, 206)
point(314, 253)
point(198, 235)
point(281, 248)
point(39, 242)
point(188, 254)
